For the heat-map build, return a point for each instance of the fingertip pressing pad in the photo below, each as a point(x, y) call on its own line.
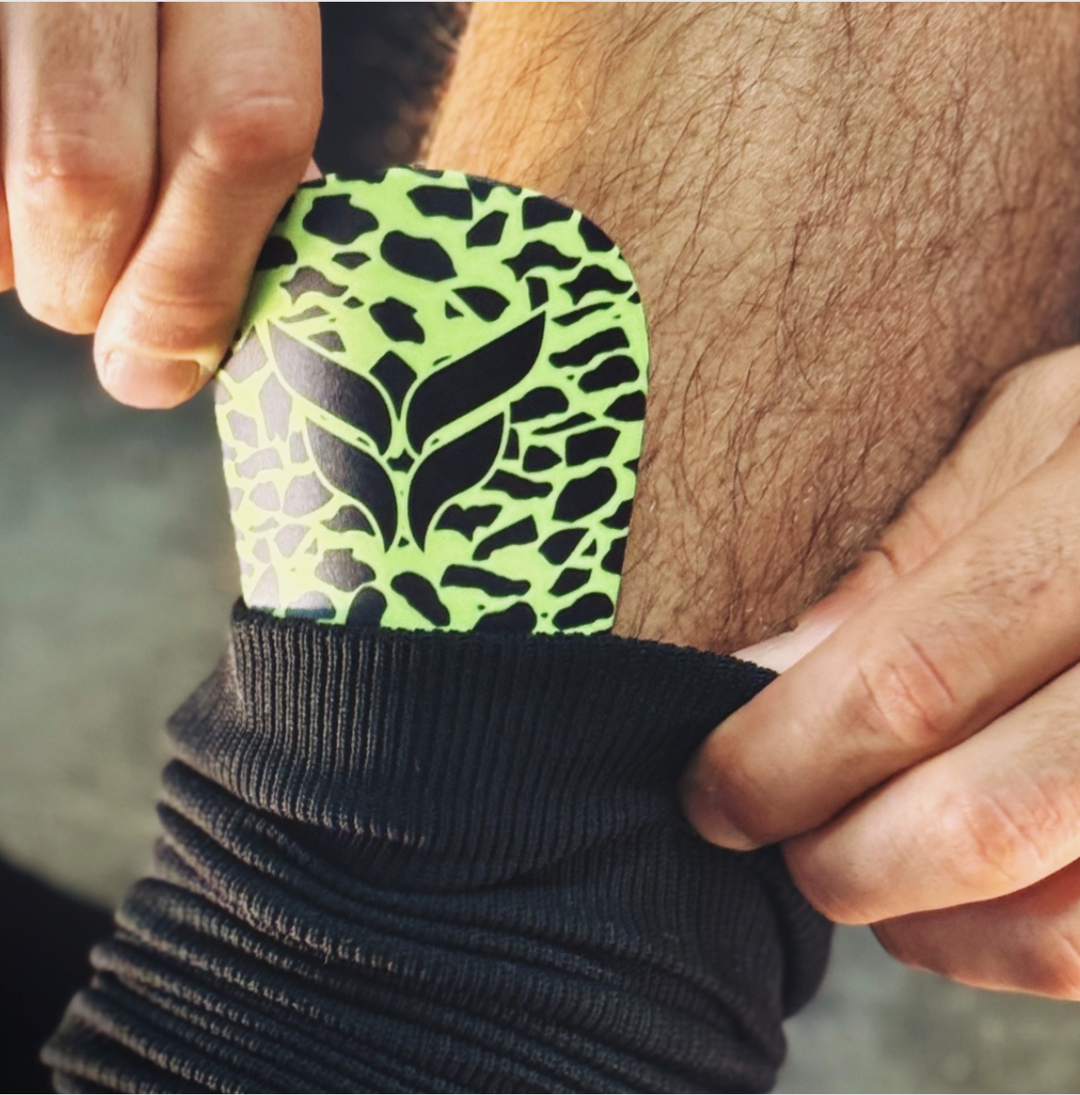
point(432, 416)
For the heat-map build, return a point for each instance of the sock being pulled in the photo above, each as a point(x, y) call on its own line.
point(411, 857)
point(432, 416)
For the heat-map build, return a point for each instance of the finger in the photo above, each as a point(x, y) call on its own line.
point(240, 99)
point(1026, 416)
point(7, 267)
point(1026, 942)
point(1024, 419)
point(990, 817)
point(986, 621)
point(79, 91)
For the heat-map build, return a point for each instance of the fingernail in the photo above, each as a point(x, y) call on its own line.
point(149, 382)
point(699, 803)
point(783, 651)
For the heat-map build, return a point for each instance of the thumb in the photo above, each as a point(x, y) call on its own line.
point(781, 652)
point(904, 545)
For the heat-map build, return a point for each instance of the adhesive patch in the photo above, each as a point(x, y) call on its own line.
point(432, 416)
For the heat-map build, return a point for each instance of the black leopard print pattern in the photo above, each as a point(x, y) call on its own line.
point(433, 412)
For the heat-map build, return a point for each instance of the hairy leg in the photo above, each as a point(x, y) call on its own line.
point(845, 221)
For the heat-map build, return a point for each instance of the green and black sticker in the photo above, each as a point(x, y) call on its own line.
point(432, 416)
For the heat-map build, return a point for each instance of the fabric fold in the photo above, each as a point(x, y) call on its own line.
point(440, 862)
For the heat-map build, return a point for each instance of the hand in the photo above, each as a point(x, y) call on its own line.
point(920, 760)
point(147, 150)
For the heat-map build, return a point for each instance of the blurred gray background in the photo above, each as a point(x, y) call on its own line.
point(116, 581)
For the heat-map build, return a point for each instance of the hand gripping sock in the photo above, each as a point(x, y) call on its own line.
point(437, 847)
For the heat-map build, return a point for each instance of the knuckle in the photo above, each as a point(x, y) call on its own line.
point(77, 175)
point(179, 289)
point(256, 133)
point(906, 699)
point(996, 844)
point(176, 312)
point(913, 537)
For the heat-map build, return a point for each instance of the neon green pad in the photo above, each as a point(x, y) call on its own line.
point(432, 415)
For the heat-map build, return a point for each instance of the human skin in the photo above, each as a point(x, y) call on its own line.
point(946, 813)
point(144, 160)
point(846, 223)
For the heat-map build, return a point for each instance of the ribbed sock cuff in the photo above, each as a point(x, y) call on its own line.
point(457, 860)
point(493, 754)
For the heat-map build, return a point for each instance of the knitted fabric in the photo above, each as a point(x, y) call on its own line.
point(444, 862)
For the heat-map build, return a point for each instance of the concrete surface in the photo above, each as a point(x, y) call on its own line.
point(116, 578)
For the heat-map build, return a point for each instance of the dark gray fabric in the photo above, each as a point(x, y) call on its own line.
point(438, 862)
